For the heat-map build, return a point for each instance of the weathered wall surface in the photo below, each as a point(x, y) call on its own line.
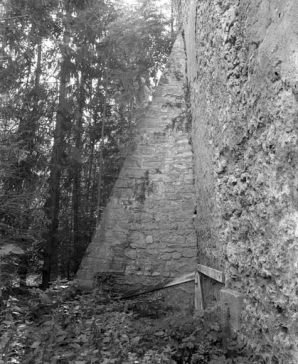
point(243, 73)
point(147, 233)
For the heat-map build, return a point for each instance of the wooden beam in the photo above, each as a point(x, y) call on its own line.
point(183, 279)
point(188, 277)
point(211, 273)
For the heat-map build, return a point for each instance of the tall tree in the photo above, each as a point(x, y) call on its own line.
point(63, 119)
point(20, 116)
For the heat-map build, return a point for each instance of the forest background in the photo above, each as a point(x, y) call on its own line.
point(75, 78)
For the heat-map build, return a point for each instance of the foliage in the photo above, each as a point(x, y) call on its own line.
point(22, 223)
point(10, 249)
point(69, 65)
point(63, 327)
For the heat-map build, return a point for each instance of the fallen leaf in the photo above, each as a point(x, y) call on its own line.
point(35, 345)
point(136, 340)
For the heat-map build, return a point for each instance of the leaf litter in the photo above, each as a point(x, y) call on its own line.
point(65, 326)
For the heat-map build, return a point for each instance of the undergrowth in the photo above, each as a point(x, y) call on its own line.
point(60, 326)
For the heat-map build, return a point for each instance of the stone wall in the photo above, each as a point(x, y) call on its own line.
point(242, 89)
point(242, 62)
point(147, 235)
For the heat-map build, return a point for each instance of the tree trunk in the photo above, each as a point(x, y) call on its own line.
point(77, 173)
point(93, 202)
point(28, 125)
point(27, 136)
point(89, 179)
point(53, 202)
point(2, 34)
point(103, 121)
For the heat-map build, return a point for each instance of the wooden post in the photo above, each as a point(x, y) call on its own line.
point(199, 304)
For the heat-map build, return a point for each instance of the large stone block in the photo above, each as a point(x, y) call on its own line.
point(231, 306)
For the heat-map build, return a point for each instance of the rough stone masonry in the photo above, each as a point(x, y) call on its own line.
point(242, 63)
point(242, 85)
point(147, 234)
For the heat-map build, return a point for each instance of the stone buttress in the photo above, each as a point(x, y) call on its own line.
point(146, 234)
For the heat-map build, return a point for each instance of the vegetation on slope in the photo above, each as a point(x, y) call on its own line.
point(64, 326)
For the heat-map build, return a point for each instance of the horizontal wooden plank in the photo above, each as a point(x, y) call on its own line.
point(183, 279)
point(212, 273)
point(188, 277)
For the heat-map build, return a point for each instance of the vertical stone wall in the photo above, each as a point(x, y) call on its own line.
point(147, 233)
point(243, 79)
